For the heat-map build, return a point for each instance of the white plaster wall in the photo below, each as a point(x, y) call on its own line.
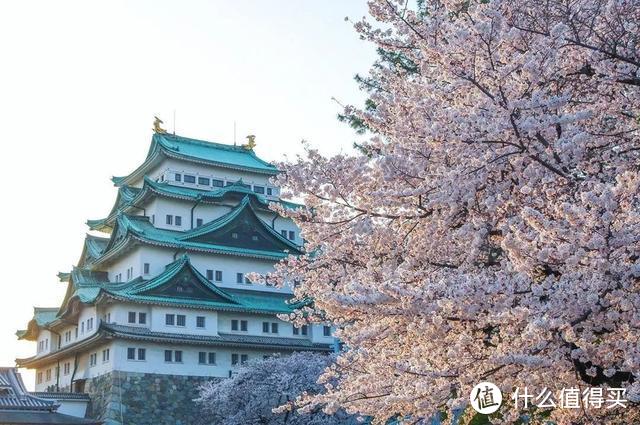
point(158, 208)
point(158, 258)
point(158, 321)
point(317, 335)
point(72, 329)
point(120, 314)
point(43, 336)
point(209, 171)
point(86, 313)
point(73, 408)
point(155, 363)
point(131, 259)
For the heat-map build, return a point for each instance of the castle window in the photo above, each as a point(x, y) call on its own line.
point(209, 274)
point(218, 275)
point(105, 355)
point(39, 377)
point(177, 356)
point(169, 219)
point(142, 354)
point(189, 179)
point(239, 277)
point(170, 319)
point(198, 222)
point(181, 320)
point(178, 220)
point(132, 317)
point(168, 355)
point(142, 318)
point(292, 234)
point(93, 359)
point(301, 330)
point(258, 189)
point(145, 268)
point(200, 321)
point(66, 368)
point(177, 177)
point(217, 183)
point(204, 181)
point(269, 191)
point(131, 354)
point(270, 327)
point(254, 238)
point(326, 330)
point(206, 358)
point(283, 233)
point(243, 325)
point(234, 235)
point(48, 374)
point(239, 358)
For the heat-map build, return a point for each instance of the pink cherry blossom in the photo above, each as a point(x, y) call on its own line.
point(490, 227)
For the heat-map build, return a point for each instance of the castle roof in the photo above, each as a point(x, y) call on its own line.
point(42, 316)
point(198, 151)
point(179, 285)
point(18, 406)
point(229, 234)
point(136, 333)
point(131, 197)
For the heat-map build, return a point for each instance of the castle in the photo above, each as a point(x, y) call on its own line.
point(159, 300)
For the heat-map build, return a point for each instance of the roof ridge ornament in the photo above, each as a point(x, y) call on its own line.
point(251, 143)
point(156, 126)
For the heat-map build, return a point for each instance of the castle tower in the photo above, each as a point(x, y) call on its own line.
point(159, 300)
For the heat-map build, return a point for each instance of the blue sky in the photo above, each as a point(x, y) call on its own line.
point(81, 81)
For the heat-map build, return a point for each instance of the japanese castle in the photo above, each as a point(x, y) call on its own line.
point(159, 300)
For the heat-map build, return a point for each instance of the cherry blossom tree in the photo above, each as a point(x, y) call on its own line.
point(489, 229)
point(262, 385)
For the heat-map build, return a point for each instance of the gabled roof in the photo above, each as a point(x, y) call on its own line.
point(197, 151)
point(18, 406)
point(180, 280)
point(93, 248)
point(180, 285)
point(15, 395)
point(42, 316)
point(213, 237)
point(152, 188)
point(248, 228)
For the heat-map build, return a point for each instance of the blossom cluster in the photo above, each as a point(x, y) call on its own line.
point(490, 227)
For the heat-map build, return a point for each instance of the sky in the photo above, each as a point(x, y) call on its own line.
point(81, 81)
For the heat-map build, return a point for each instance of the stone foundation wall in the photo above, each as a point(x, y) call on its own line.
point(126, 398)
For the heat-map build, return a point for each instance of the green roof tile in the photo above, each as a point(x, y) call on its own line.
point(88, 289)
point(153, 188)
point(199, 151)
